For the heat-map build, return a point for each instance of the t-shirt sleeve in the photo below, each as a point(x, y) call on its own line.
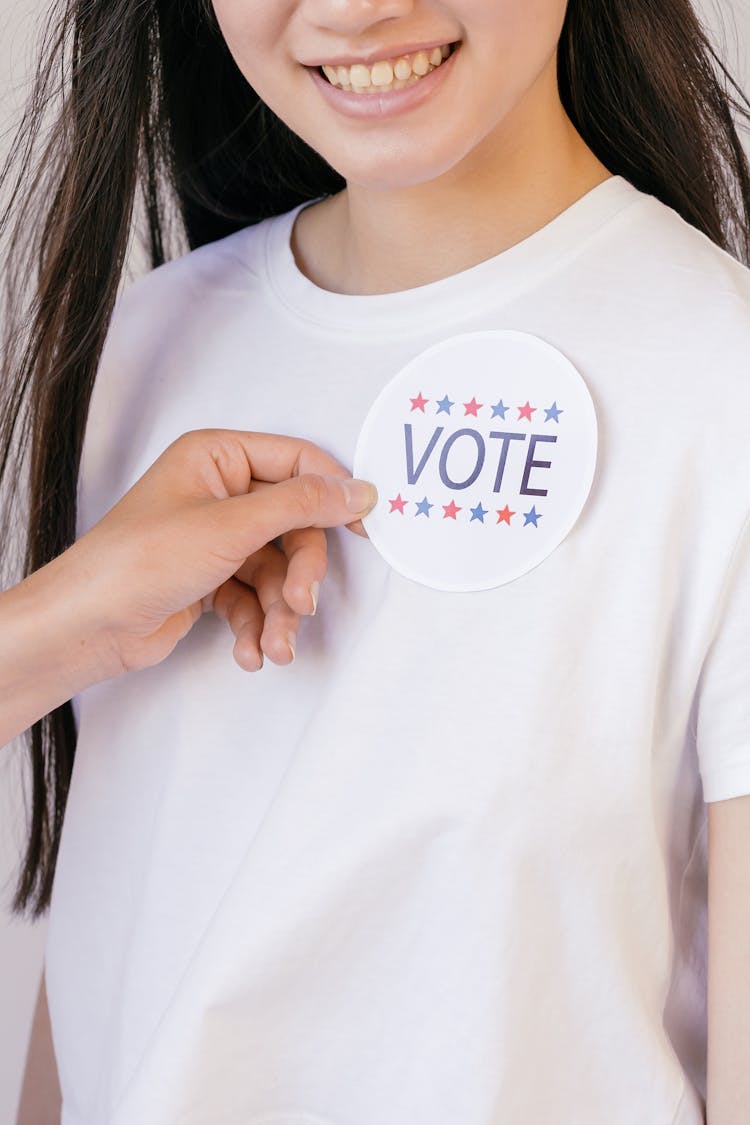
point(723, 721)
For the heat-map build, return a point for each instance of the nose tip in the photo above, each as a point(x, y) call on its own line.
point(355, 17)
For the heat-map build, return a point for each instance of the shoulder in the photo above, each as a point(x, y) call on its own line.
point(688, 269)
point(683, 336)
point(676, 318)
point(158, 324)
point(165, 310)
point(234, 263)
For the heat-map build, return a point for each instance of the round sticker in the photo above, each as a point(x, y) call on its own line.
point(483, 451)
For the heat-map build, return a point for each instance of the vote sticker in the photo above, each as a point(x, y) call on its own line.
point(483, 450)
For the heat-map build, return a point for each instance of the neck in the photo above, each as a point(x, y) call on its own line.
point(380, 240)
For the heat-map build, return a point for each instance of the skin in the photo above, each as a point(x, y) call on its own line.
point(195, 534)
point(491, 157)
point(728, 994)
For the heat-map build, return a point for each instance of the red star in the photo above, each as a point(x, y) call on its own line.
point(472, 407)
point(504, 514)
point(419, 403)
point(398, 504)
point(450, 510)
point(525, 411)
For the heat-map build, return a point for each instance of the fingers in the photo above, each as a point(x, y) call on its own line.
point(356, 525)
point(200, 512)
point(226, 461)
point(287, 583)
point(262, 622)
point(238, 605)
point(249, 521)
point(275, 457)
point(266, 571)
point(306, 553)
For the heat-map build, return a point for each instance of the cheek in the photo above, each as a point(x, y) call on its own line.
point(511, 44)
point(517, 36)
point(258, 34)
point(532, 28)
point(254, 33)
point(517, 19)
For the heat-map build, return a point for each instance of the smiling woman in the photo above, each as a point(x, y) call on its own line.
point(459, 841)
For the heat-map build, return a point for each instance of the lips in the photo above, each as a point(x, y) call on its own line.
point(381, 102)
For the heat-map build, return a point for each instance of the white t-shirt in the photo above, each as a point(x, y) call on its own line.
point(450, 865)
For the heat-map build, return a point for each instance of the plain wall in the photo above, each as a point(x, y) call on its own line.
point(22, 944)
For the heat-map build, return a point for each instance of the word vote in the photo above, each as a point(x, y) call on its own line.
point(474, 447)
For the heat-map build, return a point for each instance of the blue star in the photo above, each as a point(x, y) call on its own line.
point(499, 409)
point(478, 513)
point(532, 517)
point(444, 405)
point(553, 412)
point(423, 508)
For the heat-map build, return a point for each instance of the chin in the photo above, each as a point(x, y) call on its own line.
point(389, 173)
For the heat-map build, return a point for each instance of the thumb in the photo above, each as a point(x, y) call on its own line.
point(310, 500)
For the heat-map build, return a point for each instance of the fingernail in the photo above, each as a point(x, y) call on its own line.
point(361, 496)
point(314, 591)
point(291, 638)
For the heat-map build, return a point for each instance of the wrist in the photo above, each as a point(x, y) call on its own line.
point(50, 646)
point(70, 594)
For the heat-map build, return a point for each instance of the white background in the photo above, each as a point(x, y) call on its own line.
point(21, 944)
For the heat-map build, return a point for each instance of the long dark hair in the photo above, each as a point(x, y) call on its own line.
point(151, 117)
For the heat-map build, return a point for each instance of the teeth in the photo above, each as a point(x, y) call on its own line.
point(387, 74)
point(360, 75)
point(381, 74)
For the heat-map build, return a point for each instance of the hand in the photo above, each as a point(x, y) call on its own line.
point(195, 533)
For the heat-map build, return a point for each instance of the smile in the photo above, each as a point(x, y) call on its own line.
point(387, 74)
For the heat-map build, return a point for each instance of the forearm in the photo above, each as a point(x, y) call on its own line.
point(728, 1000)
point(47, 647)
point(40, 1094)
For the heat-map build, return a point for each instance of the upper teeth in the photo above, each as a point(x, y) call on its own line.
point(397, 72)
